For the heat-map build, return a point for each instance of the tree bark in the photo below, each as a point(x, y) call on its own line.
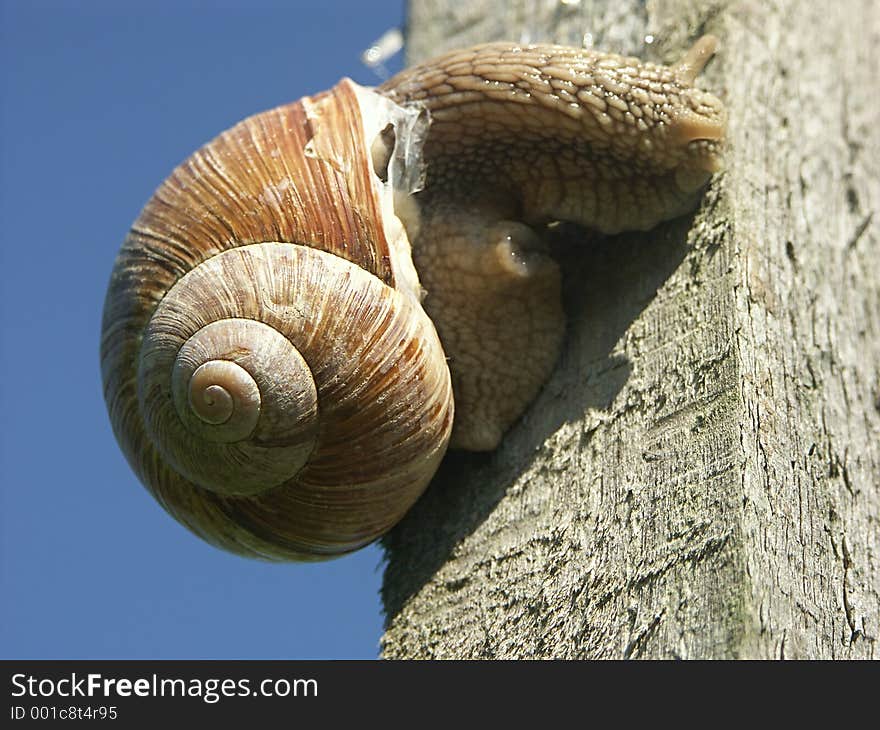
point(700, 478)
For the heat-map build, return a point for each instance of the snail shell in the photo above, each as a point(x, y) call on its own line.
point(268, 367)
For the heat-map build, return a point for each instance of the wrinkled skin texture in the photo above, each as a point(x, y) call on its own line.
point(521, 136)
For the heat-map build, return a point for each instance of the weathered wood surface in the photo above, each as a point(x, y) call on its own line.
point(701, 476)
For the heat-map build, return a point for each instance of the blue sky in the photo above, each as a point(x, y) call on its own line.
point(100, 100)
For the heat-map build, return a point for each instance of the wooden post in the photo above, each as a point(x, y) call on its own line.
point(701, 476)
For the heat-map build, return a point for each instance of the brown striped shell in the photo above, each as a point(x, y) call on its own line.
point(268, 368)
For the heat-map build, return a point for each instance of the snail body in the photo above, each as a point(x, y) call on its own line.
point(269, 368)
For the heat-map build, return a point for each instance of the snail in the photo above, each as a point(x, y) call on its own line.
point(321, 300)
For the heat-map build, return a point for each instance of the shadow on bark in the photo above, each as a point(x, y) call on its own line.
point(606, 288)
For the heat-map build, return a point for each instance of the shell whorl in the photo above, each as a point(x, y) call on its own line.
point(269, 371)
point(245, 401)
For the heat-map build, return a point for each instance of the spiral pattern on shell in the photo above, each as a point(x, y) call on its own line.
point(269, 371)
